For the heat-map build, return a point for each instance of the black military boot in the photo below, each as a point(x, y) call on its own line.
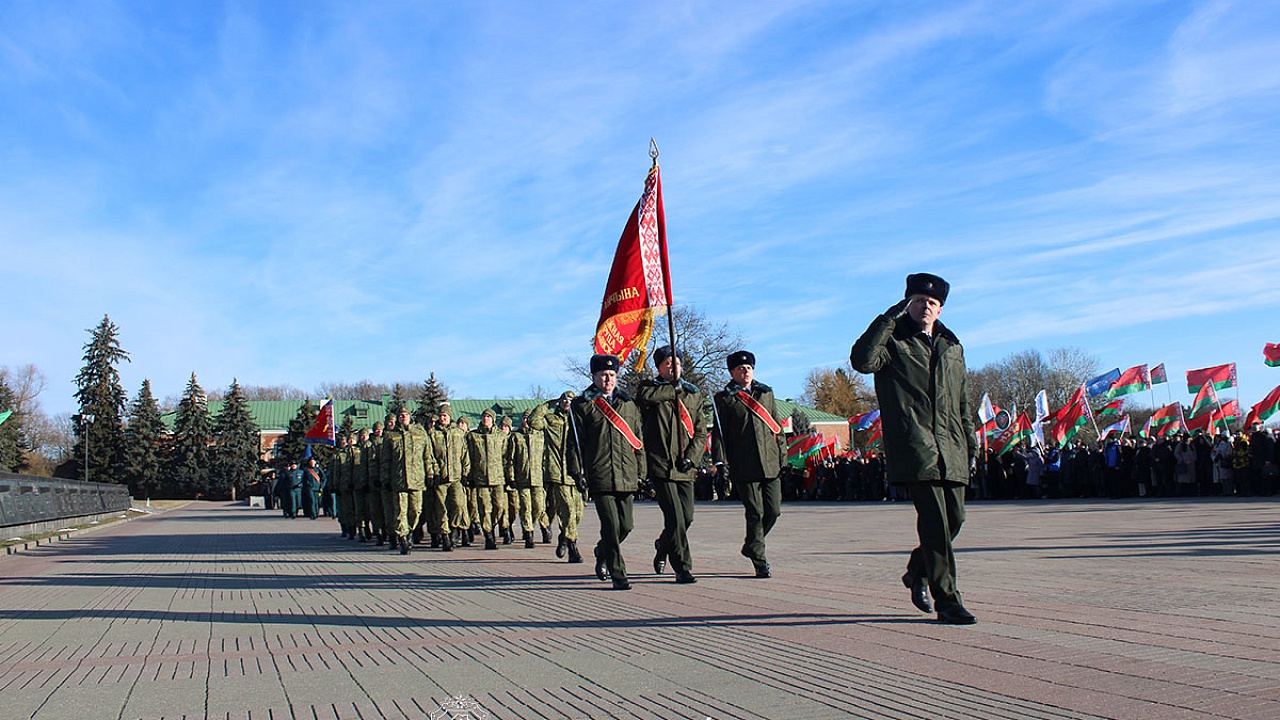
point(490, 542)
point(393, 542)
point(546, 536)
point(417, 536)
point(446, 542)
point(381, 540)
point(562, 546)
point(528, 540)
point(406, 544)
point(435, 540)
point(508, 536)
point(572, 547)
point(465, 538)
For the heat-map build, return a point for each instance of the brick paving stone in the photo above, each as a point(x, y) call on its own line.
point(1088, 609)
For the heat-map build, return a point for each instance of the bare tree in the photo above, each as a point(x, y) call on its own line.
point(703, 343)
point(1017, 379)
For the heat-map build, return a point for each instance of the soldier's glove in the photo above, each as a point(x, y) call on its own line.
point(581, 482)
point(684, 464)
point(898, 308)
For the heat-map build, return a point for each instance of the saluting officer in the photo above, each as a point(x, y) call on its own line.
point(749, 440)
point(611, 458)
point(929, 441)
point(675, 436)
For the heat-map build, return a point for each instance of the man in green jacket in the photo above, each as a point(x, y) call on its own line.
point(564, 495)
point(404, 452)
point(750, 441)
point(526, 453)
point(448, 462)
point(610, 457)
point(929, 441)
point(360, 485)
point(487, 446)
point(675, 434)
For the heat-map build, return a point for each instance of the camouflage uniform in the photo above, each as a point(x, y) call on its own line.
point(527, 452)
point(448, 462)
point(404, 454)
point(487, 448)
point(360, 486)
point(567, 501)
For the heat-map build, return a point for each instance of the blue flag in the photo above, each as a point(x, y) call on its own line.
point(1102, 383)
point(866, 420)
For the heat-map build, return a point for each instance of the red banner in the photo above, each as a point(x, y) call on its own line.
point(639, 282)
point(322, 432)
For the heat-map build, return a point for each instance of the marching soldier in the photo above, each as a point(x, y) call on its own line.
point(373, 461)
point(448, 462)
point(527, 452)
point(390, 495)
point(360, 485)
point(929, 441)
point(509, 505)
point(404, 453)
point(610, 456)
point(487, 447)
point(340, 480)
point(750, 441)
point(552, 419)
point(675, 434)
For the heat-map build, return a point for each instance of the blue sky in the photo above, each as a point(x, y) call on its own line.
point(304, 192)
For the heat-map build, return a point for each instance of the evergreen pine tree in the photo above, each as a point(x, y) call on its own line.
point(100, 395)
point(398, 399)
point(236, 454)
point(11, 435)
point(190, 455)
point(433, 393)
point(144, 445)
point(348, 427)
point(291, 445)
point(800, 424)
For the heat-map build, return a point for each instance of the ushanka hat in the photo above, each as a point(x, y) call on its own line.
point(741, 357)
point(600, 363)
point(661, 354)
point(926, 284)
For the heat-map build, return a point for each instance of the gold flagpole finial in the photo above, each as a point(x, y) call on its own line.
point(653, 151)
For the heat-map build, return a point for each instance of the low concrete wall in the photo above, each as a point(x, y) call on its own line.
point(27, 501)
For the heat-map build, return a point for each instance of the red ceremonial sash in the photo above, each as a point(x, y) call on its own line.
point(754, 406)
point(685, 420)
point(616, 420)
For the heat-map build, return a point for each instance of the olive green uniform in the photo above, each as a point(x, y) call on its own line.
point(340, 476)
point(404, 452)
point(666, 440)
point(566, 499)
point(527, 460)
point(754, 454)
point(360, 487)
point(612, 467)
point(922, 388)
point(487, 448)
point(449, 462)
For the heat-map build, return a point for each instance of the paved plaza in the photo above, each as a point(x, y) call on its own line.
point(1158, 610)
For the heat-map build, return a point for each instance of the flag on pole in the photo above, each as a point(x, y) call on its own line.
point(876, 438)
point(1120, 428)
point(1166, 415)
point(1102, 383)
point(639, 286)
point(1271, 354)
point(1113, 408)
point(1230, 411)
point(1221, 376)
point(1131, 381)
point(1146, 428)
point(802, 447)
point(1073, 416)
point(1017, 431)
point(1206, 399)
point(864, 421)
point(1265, 408)
point(1158, 375)
point(1042, 405)
point(322, 432)
point(986, 411)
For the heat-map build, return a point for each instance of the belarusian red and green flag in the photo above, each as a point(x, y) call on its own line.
point(1265, 408)
point(1019, 430)
point(1271, 354)
point(1111, 409)
point(1130, 381)
point(802, 447)
point(1230, 411)
point(1166, 416)
point(1158, 375)
point(1221, 376)
point(1073, 416)
point(1206, 400)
